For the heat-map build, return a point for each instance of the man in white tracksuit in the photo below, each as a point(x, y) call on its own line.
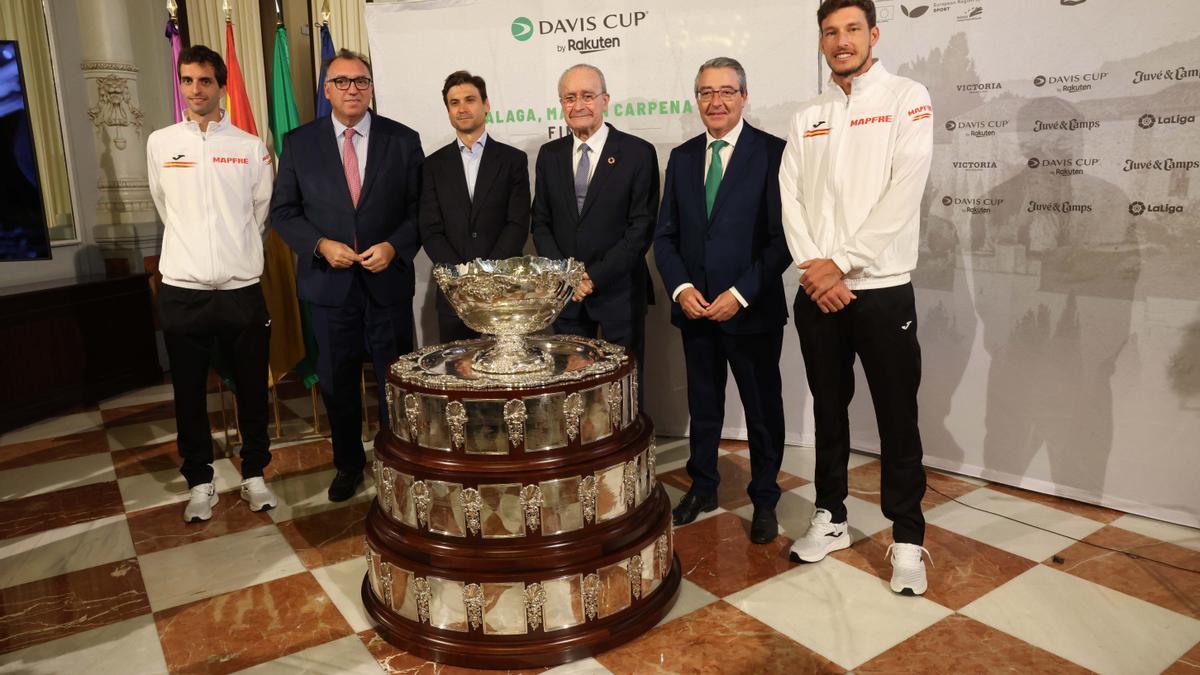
point(211, 183)
point(851, 183)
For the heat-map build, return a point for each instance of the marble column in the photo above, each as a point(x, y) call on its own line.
point(127, 228)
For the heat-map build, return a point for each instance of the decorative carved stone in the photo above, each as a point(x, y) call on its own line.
point(424, 594)
point(422, 501)
point(114, 107)
point(412, 412)
point(587, 497)
point(514, 419)
point(472, 502)
point(531, 503)
point(591, 595)
point(573, 411)
point(473, 599)
point(635, 576)
point(456, 420)
point(535, 599)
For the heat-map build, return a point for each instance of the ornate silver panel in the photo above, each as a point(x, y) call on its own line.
point(573, 412)
point(614, 397)
point(403, 508)
point(422, 501)
point(421, 587)
point(404, 595)
point(545, 426)
point(412, 415)
point(629, 477)
point(501, 515)
point(396, 420)
point(594, 423)
point(447, 608)
point(635, 576)
point(535, 601)
point(471, 504)
point(504, 608)
point(486, 431)
point(514, 421)
point(531, 504)
point(610, 492)
point(587, 498)
point(591, 595)
point(564, 603)
point(473, 599)
point(615, 594)
point(432, 430)
point(456, 422)
point(562, 510)
point(446, 508)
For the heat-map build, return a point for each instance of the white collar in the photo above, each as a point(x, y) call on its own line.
point(731, 138)
point(594, 142)
point(363, 127)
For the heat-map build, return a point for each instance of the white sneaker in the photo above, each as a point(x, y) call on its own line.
point(908, 568)
point(200, 503)
point(255, 491)
point(822, 538)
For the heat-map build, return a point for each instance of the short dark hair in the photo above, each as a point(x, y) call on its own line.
point(202, 54)
point(830, 6)
point(344, 53)
point(463, 77)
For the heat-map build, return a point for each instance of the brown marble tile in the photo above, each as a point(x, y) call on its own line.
point(1142, 578)
point(59, 509)
point(735, 476)
point(963, 569)
point(328, 537)
point(162, 527)
point(393, 660)
point(156, 457)
point(958, 644)
point(45, 450)
point(1188, 664)
point(717, 555)
point(71, 603)
point(249, 626)
point(716, 639)
point(1097, 513)
point(291, 460)
point(154, 411)
point(863, 482)
point(734, 445)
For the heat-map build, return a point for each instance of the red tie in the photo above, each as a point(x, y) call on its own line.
point(350, 165)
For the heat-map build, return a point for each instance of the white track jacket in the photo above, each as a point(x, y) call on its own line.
point(212, 190)
point(853, 174)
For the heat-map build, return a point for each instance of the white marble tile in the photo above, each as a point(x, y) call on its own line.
point(147, 490)
point(795, 509)
point(1096, 627)
point(1004, 534)
point(347, 655)
point(129, 646)
point(691, 598)
point(208, 568)
point(141, 433)
point(308, 493)
point(155, 394)
point(65, 549)
point(588, 666)
point(343, 584)
point(1031, 512)
point(801, 460)
point(28, 481)
point(838, 611)
point(1179, 535)
point(675, 494)
point(55, 426)
point(671, 453)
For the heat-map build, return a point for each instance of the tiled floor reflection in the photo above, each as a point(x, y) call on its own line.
point(99, 574)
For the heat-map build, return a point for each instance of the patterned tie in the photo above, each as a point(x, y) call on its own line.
point(350, 165)
point(712, 182)
point(581, 176)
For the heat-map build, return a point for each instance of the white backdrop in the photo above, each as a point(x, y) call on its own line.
point(1061, 333)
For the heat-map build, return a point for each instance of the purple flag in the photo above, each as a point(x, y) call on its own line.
point(172, 35)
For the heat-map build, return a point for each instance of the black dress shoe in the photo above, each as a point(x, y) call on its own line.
point(690, 506)
point(764, 528)
point(344, 484)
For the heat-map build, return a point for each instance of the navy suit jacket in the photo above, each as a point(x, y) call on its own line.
point(740, 245)
point(455, 228)
point(311, 200)
point(612, 233)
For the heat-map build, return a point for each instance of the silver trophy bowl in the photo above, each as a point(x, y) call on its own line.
point(510, 299)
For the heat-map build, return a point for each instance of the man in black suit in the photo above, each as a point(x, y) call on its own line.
point(474, 194)
point(595, 195)
point(720, 250)
point(346, 200)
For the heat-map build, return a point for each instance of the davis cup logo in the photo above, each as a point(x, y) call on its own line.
point(951, 126)
point(522, 29)
point(1039, 81)
point(1034, 163)
point(1137, 208)
point(947, 200)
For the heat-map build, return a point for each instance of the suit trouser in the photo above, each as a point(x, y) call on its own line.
point(710, 354)
point(342, 332)
point(880, 327)
point(234, 323)
point(629, 333)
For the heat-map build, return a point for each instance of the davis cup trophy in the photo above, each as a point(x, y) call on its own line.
point(518, 521)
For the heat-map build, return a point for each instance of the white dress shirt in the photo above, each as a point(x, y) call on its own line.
point(361, 139)
point(595, 145)
point(470, 159)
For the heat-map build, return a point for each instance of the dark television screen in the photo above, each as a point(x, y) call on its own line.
point(23, 228)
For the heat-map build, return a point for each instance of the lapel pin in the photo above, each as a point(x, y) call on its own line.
point(612, 160)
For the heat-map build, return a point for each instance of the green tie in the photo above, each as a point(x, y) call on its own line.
point(712, 182)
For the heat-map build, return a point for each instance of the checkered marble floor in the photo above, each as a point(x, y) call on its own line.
point(99, 574)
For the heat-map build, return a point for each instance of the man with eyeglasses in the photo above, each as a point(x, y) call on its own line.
point(720, 251)
point(474, 195)
point(595, 195)
point(346, 201)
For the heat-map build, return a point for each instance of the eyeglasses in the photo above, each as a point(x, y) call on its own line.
point(727, 94)
point(360, 83)
point(587, 97)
